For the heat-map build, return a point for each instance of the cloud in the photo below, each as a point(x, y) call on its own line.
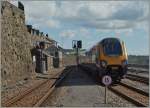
point(52, 23)
point(68, 33)
point(84, 18)
point(105, 15)
point(90, 14)
point(143, 25)
point(111, 24)
point(127, 12)
point(40, 13)
point(84, 32)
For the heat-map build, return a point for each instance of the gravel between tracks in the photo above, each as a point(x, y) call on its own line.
point(139, 73)
point(130, 93)
point(78, 89)
point(137, 84)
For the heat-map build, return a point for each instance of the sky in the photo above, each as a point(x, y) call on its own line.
point(91, 21)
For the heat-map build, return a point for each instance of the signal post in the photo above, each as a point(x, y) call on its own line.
point(77, 44)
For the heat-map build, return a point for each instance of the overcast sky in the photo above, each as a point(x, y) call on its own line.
point(91, 21)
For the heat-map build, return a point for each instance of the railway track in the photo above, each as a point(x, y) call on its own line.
point(138, 78)
point(132, 94)
point(35, 96)
point(139, 66)
point(138, 70)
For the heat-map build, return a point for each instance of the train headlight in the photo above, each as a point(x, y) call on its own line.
point(103, 63)
point(124, 63)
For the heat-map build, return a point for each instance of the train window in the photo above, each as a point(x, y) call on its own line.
point(112, 47)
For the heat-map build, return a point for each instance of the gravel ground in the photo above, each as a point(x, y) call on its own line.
point(139, 69)
point(143, 74)
point(78, 89)
point(8, 92)
point(137, 84)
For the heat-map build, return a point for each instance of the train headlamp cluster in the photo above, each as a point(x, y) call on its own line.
point(103, 63)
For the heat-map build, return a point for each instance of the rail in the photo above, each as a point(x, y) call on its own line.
point(132, 94)
point(36, 95)
point(139, 66)
point(138, 78)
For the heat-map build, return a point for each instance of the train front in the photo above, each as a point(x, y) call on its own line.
point(113, 58)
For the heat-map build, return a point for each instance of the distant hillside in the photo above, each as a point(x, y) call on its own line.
point(138, 59)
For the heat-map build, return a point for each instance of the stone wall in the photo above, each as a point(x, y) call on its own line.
point(16, 44)
point(69, 60)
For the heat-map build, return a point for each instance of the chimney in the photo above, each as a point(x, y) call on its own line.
point(20, 6)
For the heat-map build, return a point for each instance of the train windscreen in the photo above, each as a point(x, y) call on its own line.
point(112, 47)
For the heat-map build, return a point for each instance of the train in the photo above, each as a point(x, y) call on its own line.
point(110, 57)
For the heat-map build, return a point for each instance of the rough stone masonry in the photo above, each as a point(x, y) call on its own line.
point(16, 43)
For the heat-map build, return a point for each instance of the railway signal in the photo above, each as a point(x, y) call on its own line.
point(74, 44)
point(77, 44)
